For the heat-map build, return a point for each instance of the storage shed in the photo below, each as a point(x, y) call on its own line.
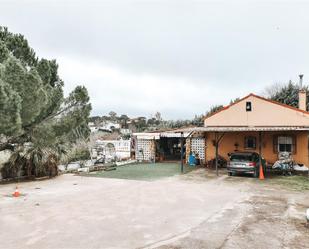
point(166, 145)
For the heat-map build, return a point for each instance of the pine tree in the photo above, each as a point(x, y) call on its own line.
point(288, 94)
point(33, 109)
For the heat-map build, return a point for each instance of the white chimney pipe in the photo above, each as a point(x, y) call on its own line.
point(301, 81)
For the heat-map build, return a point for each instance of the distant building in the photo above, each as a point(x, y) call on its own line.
point(92, 127)
point(125, 131)
point(118, 149)
point(105, 126)
point(109, 126)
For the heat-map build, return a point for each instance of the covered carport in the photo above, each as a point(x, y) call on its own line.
point(267, 141)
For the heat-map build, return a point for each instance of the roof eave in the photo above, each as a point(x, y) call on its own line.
point(244, 128)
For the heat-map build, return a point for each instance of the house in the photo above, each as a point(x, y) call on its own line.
point(92, 127)
point(259, 125)
point(109, 126)
point(253, 124)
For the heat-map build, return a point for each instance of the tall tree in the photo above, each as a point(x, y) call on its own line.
point(124, 119)
point(33, 109)
point(113, 115)
point(286, 93)
point(214, 109)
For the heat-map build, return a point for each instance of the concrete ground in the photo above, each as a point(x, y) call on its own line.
point(196, 210)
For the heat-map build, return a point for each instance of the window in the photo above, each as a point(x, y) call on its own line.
point(285, 143)
point(248, 106)
point(242, 157)
point(250, 143)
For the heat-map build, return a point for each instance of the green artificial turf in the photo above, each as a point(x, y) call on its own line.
point(143, 171)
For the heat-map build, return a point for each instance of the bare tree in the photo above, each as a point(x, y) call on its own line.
point(271, 90)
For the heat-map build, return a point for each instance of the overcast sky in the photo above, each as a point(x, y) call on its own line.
point(176, 57)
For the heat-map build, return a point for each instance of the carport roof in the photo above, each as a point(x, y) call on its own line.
point(243, 128)
point(189, 130)
point(157, 135)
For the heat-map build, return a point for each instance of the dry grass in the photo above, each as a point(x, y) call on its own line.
point(297, 183)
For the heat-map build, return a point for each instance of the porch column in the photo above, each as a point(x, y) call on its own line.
point(217, 148)
point(260, 151)
point(217, 141)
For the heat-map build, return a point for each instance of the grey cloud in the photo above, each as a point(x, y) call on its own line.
point(234, 47)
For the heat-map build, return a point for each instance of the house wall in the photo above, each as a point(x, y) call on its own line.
point(145, 149)
point(196, 145)
point(122, 147)
point(227, 145)
point(264, 113)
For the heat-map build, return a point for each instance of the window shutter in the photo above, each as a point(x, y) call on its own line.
point(275, 144)
point(294, 145)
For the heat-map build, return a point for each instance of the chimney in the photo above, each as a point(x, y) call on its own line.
point(301, 81)
point(302, 96)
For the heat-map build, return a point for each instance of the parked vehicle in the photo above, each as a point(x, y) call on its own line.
point(244, 162)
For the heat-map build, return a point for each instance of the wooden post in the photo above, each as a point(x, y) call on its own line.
point(260, 153)
point(154, 149)
point(181, 151)
point(217, 145)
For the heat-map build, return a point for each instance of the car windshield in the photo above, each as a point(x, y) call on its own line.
point(241, 157)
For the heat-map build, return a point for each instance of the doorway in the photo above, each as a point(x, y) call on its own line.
point(169, 148)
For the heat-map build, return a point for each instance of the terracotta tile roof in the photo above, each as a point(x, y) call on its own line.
point(243, 128)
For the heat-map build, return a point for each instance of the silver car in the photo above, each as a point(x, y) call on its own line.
point(244, 162)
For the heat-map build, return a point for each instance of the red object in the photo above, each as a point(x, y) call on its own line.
point(252, 164)
point(261, 173)
point(16, 193)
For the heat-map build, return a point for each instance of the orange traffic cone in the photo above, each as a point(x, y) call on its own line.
point(261, 177)
point(16, 193)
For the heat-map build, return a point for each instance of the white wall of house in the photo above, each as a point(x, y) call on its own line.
point(122, 147)
point(93, 129)
point(197, 146)
point(144, 149)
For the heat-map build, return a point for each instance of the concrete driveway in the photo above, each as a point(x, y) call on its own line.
point(191, 211)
